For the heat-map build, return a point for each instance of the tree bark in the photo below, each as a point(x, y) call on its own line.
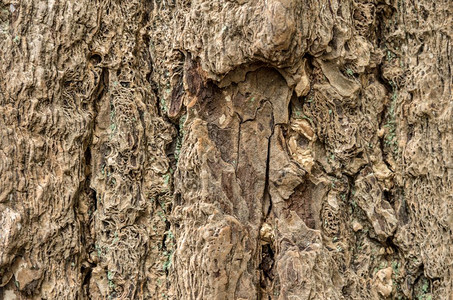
point(175, 149)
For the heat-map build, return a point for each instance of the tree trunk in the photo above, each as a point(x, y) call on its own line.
point(176, 149)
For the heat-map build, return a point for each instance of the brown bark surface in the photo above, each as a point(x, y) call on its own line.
point(226, 149)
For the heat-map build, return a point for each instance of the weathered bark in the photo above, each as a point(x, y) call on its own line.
point(274, 149)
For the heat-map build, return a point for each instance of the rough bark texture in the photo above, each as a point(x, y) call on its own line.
point(220, 149)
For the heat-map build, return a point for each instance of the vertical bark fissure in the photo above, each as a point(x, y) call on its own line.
point(265, 250)
point(238, 146)
point(88, 266)
point(267, 195)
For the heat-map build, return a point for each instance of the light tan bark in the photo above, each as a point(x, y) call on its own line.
point(226, 149)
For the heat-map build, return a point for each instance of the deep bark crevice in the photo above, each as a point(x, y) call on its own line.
point(90, 194)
